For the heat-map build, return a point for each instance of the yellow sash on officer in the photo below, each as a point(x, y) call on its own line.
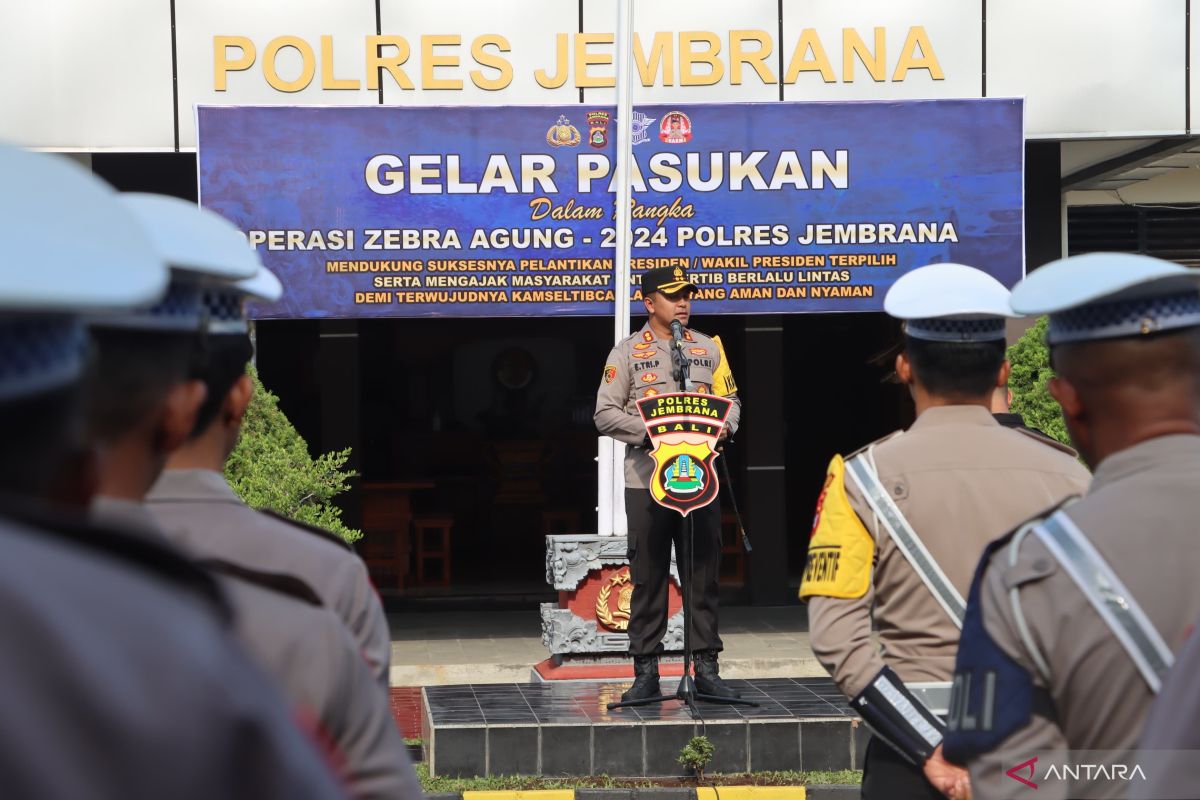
point(723, 384)
point(841, 549)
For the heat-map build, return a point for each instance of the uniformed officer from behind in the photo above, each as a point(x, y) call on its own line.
point(119, 675)
point(1073, 618)
point(641, 366)
point(900, 524)
point(144, 400)
point(197, 509)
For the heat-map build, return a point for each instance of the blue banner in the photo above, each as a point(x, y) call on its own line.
point(508, 211)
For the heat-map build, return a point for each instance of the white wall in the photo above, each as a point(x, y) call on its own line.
point(98, 75)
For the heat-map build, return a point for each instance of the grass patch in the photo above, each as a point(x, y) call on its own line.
point(515, 782)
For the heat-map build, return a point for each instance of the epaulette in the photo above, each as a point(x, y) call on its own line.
point(635, 336)
point(288, 585)
point(878, 441)
point(1042, 438)
point(149, 556)
point(1034, 519)
point(316, 530)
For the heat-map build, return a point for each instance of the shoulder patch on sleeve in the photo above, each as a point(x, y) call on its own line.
point(610, 373)
point(313, 529)
point(992, 696)
point(723, 383)
point(841, 549)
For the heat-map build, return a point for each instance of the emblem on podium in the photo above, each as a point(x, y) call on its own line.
point(684, 428)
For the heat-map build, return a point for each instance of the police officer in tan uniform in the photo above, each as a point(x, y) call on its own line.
point(120, 678)
point(641, 366)
point(143, 406)
point(198, 510)
point(901, 523)
point(1073, 618)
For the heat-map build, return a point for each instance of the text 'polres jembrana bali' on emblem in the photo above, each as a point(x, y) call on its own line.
point(684, 428)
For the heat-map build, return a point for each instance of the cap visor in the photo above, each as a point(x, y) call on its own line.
point(672, 288)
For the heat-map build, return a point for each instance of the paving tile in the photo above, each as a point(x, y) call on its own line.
point(729, 746)
point(825, 745)
point(774, 746)
point(617, 750)
point(663, 742)
point(513, 751)
point(458, 752)
point(509, 718)
point(765, 710)
point(566, 750)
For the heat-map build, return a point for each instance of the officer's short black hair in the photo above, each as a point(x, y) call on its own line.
point(39, 431)
point(132, 374)
point(222, 360)
point(955, 369)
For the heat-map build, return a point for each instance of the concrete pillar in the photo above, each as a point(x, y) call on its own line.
point(338, 372)
point(1044, 235)
point(761, 441)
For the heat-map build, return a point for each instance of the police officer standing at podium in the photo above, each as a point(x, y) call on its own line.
point(901, 523)
point(641, 366)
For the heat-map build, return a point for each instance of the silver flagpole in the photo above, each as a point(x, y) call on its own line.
point(624, 45)
point(611, 475)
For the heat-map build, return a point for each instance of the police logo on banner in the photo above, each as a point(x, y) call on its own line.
point(684, 428)
point(676, 128)
point(598, 128)
point(641, 127)
point(562, 133)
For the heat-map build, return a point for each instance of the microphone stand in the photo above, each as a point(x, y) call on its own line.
point(687, 685)
point(733, 501)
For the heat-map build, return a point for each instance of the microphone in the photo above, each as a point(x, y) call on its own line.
point(681, 363)
point(677, 333)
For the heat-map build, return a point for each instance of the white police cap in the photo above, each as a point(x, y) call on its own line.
point(69, 249)
point(949, 303)
point(202, 248)
point(1110, 296)
point(224, 304)
point(69, 246)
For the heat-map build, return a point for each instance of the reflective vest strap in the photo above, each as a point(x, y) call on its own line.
point(907, 542)
point(1110, 597)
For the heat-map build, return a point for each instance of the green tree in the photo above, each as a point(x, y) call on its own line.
point(1030, 359)
point(272, 468)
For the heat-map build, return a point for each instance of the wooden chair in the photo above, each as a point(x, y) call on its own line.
point(432, 537)
point(384, 547)
point(733, 558)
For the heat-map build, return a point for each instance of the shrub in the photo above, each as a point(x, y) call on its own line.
point(272, 468)
point(1030, 359)
point(696, 754)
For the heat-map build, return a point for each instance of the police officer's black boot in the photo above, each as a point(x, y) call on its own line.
point(645, 679)
point(708, 678)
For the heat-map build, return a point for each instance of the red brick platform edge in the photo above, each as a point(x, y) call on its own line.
point(407, 710)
